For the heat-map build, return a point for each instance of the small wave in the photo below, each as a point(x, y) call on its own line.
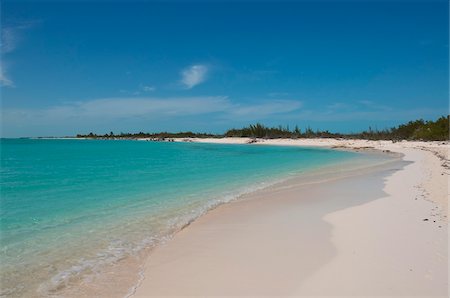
point(87, 269)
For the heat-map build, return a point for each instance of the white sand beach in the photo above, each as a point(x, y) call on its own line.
point(378, 233)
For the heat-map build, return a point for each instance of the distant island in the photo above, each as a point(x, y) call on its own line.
point(413, 130)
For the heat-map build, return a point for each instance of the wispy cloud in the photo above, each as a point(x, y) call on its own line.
point(127, 114)
point(178, 113)
point(265, 109)
point(148, 88)
point(11, 36)
point(146, 109)
point(142, 88)
point(364, 106)
point(105, 109)
point(8, 45)
point(194, 75)
point(152, 107)
point(4, 79)
point(373, 105)
point(9, 39)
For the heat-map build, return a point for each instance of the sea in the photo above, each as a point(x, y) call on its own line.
point(77, 215)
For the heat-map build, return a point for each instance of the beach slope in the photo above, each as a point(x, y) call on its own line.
point(373, 233)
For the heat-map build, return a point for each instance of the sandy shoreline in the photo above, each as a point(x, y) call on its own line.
point(376, 234)
point(436, 155)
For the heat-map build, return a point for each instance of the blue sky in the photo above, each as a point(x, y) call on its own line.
point(75, 67)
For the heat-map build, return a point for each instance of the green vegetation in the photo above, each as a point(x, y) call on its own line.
point(425, 130)
point(260, 131)
point(414, 130)
point(139, 135)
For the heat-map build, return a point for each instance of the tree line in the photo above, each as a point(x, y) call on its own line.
point(413, 130)
point(142, 135)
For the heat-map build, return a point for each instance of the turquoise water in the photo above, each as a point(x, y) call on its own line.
point(71, 207)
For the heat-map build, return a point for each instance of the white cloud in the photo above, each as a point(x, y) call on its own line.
point(360, 107)
point(194, 75)
point(154, 107)
point(11, 36)
point(373, 105)
point(266, 109)
point(4, 79)
point(106, 109)
point(141, 89)
point(111, 109)
point(148, 88)
point(9, 42)
point(140, 113)
point(9, 39)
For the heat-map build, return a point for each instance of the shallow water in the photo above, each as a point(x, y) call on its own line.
point(71, 209)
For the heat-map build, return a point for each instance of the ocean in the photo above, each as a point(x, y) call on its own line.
point(71, 209)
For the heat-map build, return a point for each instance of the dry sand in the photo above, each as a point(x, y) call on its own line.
point(377, 233)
